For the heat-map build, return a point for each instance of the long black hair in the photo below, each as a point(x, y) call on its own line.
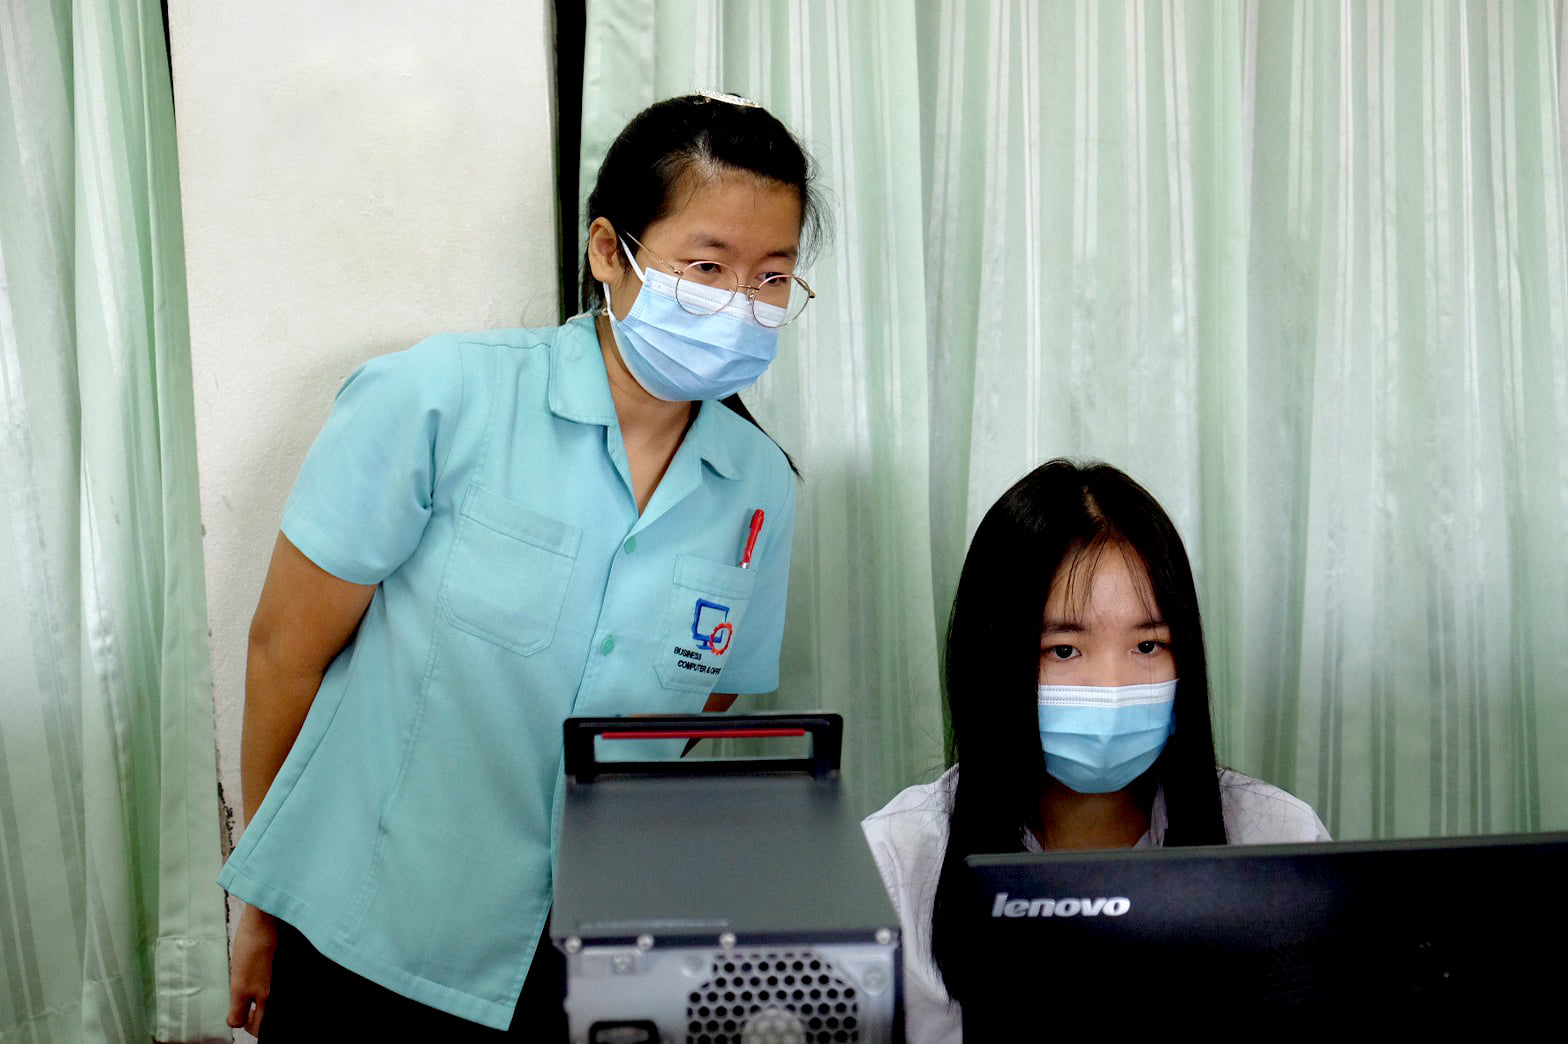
point(1057, 514)
point(695, 134)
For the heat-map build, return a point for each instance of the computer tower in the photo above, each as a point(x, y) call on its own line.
point(720, 901)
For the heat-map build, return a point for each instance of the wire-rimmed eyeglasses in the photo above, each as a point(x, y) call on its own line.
point(782, 296)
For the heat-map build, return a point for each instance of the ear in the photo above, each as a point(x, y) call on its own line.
point(604, 252)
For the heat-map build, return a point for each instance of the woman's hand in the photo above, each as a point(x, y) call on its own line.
point(250, 969)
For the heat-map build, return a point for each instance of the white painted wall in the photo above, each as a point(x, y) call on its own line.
point(356, 175)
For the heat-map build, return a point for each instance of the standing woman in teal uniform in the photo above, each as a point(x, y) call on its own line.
point(493, 532)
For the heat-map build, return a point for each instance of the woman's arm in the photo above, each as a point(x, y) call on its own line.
point(304, 619)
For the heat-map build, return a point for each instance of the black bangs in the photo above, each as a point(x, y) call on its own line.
point(1081, 564)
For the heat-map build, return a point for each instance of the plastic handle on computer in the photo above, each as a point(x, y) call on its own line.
point(825, 729)
point(688, 734)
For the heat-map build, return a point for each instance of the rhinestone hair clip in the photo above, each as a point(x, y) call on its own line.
point(729, 99)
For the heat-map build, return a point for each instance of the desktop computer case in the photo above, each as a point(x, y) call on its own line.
point(720, 902)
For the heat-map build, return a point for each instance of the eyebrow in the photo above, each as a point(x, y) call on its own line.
point(708, 241)
point(1077, 627)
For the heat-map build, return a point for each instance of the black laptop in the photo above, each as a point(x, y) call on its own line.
point(1421, 930)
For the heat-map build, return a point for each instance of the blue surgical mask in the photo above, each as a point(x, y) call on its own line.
point(1099, 739)
point(680, 357)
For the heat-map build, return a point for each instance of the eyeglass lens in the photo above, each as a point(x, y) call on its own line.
point(706, 287)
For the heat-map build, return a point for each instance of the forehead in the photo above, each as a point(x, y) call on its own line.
point(1100, 582)
point(733, 208)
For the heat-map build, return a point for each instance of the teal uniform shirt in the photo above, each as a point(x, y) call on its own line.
point(482, 483)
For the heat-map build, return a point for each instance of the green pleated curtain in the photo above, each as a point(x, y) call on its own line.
point(111, 925)
point(1300, 267)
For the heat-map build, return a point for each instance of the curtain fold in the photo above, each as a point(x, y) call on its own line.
point(109, 829)
point(1296, 266)
point(1406, 416)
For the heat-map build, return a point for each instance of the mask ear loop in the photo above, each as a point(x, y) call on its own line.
point(635, 269)
point(627, 251)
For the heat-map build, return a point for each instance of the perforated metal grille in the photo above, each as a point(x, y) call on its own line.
point(773, 997)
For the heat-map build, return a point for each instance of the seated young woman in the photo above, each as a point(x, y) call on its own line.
point(1079, 697)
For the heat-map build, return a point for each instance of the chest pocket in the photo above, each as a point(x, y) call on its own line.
point(507, 576)
point(703, 623)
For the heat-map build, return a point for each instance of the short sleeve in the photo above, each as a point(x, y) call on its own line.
point(360, 504)
point(1259, 813)
point(908, 841)
point(758, 671)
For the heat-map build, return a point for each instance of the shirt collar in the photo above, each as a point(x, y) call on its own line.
point(707, 436)
point(580, 391)
point(579, 387)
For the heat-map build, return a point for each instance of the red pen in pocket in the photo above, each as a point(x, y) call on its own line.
point(745, 563)
point(751, 538)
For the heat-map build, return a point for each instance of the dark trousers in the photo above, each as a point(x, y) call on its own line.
point(315, 999)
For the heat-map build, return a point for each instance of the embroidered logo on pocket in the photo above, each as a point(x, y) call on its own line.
point(710, 626)
point(707, 606)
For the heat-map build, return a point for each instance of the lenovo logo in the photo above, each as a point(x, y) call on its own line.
point(1005, 907)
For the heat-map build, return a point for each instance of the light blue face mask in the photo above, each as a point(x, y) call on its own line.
point(680, 357)
point(1098, 739)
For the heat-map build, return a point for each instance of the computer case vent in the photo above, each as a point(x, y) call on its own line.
point(774, 997)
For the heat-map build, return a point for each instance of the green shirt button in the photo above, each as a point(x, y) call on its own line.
point(608, 645)
point(630, 545)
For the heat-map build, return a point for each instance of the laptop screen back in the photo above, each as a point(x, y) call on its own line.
point(1428, 926)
